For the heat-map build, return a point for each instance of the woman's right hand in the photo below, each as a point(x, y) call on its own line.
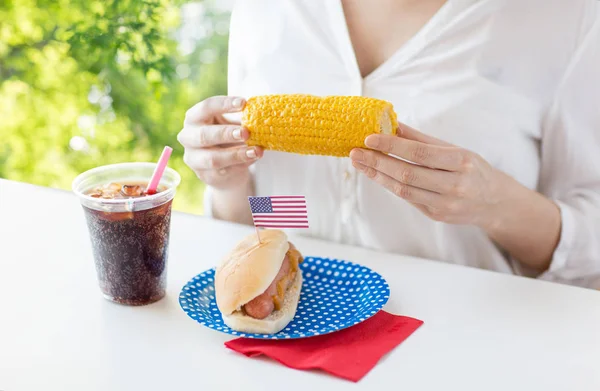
point(214, 146)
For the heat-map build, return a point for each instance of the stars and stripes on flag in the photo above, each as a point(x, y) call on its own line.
point(279, 211)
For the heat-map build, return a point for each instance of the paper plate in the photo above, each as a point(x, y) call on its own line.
point(336, 294)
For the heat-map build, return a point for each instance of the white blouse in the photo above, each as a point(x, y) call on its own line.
point(516, 81)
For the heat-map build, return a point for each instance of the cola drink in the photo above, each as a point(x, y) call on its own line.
point(129, 230)
point(130, 247)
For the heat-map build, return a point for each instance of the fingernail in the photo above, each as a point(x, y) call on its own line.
point(251, 153)
point(237, 103)
point(237, 134)
point(372, 141)
point(357, 155)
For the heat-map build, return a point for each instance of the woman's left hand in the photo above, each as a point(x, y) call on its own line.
point(447, 183)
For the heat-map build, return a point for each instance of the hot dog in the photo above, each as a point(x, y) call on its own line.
point(272, 298)
point(262, 306)
point(258, 285)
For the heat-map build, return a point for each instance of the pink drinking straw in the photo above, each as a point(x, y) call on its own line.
point(159, 170)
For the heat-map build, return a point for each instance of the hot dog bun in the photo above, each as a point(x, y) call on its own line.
point(273, 323)
point(245, 273)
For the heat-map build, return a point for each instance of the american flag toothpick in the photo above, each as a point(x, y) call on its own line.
point(279, 212)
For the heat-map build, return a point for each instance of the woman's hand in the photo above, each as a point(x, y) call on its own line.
point(454, 185)
point(214, 147)
point(447, 183)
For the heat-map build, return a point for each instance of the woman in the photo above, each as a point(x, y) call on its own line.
point(498, 103)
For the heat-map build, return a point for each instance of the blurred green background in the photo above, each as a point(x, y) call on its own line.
point(85, 83)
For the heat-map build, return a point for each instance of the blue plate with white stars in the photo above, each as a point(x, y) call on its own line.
point(335, 295)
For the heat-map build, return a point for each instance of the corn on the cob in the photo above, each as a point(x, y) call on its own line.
point(312, 125)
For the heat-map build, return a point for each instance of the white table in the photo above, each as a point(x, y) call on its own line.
point(482, 331)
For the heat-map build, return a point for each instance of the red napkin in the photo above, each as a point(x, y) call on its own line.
point(350, 353)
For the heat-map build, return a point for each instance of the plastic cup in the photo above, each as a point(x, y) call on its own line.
point(129, 237)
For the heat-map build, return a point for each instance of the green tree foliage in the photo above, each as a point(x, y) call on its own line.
point(85, 83)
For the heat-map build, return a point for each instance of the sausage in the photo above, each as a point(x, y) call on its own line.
point(261, 306)
point(294, 258)
point(272, 298)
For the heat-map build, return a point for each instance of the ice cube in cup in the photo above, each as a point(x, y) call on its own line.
point(132, 190)
point(112, 187)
